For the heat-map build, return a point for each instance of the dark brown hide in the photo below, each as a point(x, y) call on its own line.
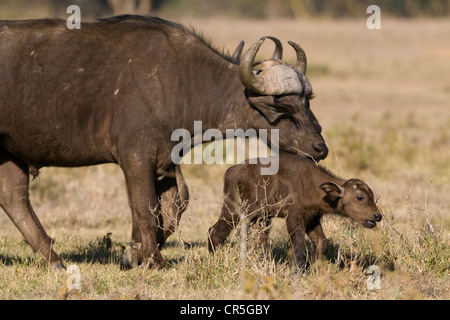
point(113, 92)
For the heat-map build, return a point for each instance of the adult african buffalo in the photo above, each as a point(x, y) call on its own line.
point(114, 91)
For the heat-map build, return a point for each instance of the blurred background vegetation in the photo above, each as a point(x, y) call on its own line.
point(254, 9)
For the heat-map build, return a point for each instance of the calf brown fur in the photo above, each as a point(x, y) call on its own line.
point(301, 192)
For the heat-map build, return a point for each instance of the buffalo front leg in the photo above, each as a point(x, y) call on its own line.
point(14, 200)
point(144, 208)
point(173, 197)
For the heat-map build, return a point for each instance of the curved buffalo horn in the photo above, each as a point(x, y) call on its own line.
point(277, 80)
point(278, 53)
point(248, 79)
point(301, 63)
point(236, 57)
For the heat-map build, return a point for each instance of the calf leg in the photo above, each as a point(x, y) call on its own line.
point(296, 231)
point(14, 200)
point(264, 225)
point(222, 228)
point(318, 238)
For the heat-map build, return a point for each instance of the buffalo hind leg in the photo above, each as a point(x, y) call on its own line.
point(14, 200)
point(173, 202)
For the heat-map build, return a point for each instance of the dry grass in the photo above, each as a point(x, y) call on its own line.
point(382, 99)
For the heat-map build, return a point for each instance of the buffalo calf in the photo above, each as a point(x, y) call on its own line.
point(301, 192)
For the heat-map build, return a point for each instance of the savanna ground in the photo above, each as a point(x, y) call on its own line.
point(382, 97)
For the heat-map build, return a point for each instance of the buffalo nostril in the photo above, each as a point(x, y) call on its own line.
point(321, 149)
point(377, 216)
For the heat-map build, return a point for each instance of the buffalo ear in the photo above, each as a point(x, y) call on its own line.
point(334, 192)
point(266, 106)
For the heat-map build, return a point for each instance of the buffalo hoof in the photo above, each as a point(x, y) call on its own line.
point(59, 266)
point(154, 263)
point(129, 258)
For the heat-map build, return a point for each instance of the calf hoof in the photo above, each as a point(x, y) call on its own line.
point(212, 241)
point(211, 247)
point(301, 264)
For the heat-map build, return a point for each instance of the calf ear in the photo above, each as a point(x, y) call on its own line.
point(334, 192)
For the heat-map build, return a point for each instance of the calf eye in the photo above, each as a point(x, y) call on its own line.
point(360, 198)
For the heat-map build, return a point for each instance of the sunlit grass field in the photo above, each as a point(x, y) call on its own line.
point(382, 98)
